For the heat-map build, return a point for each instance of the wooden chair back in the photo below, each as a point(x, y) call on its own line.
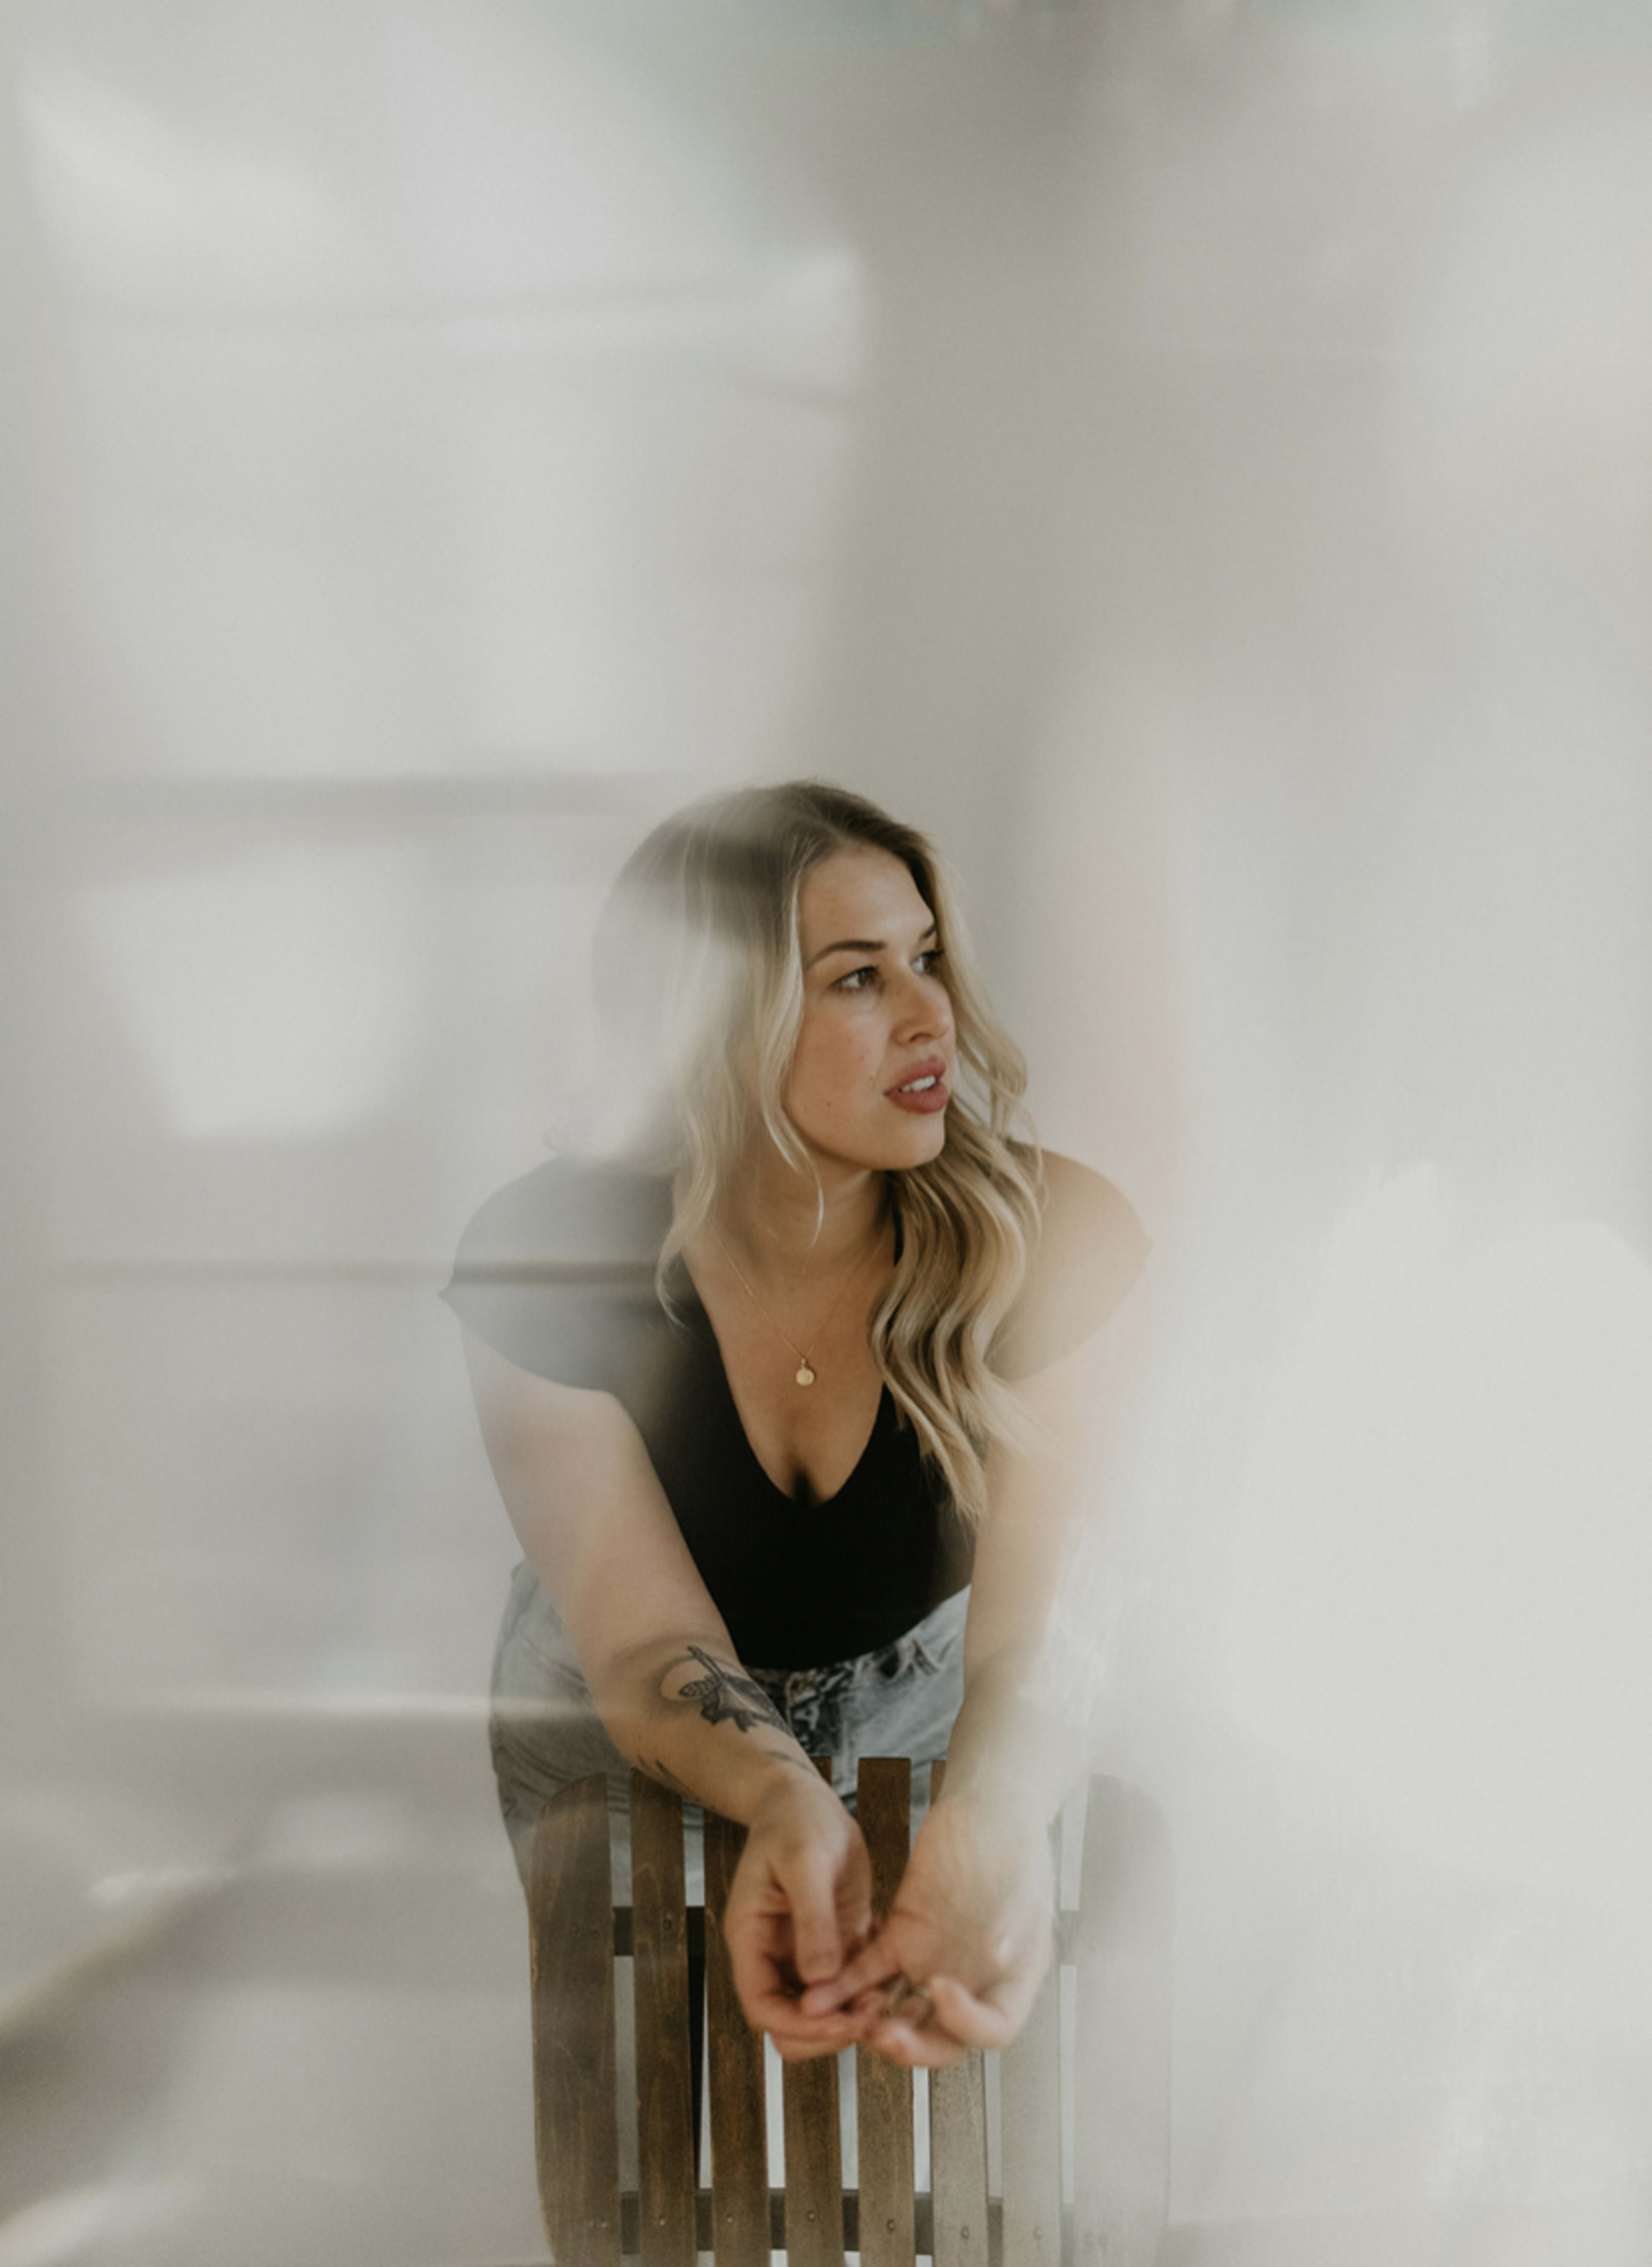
point(1113, 2090)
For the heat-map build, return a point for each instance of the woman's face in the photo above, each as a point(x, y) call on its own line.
point(872, 1074)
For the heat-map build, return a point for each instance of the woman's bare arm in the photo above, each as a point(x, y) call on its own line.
point(595, 1528)
point(1080, 1336)
point(973, 1910)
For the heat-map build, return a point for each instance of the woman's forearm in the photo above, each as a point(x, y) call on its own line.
point(684, 1710)
point(1009, 1756)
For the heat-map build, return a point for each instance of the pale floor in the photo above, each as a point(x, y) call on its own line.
point(322, 2056)
point(319, 2062)
point(325, 2059)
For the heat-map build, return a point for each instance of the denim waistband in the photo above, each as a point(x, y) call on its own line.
point(923, 1646)
point(899, 1699)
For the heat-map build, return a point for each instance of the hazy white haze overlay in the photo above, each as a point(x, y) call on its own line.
point(1195, 457)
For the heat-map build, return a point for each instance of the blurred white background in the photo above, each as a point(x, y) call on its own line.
point(1194, 456)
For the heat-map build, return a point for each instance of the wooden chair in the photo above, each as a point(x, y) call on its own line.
point(1115, 2094)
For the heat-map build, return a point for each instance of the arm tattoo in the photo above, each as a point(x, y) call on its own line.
point(727, 1696)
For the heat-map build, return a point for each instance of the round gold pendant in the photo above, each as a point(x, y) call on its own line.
point(805, 1375)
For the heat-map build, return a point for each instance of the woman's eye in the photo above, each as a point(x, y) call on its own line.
point(867, 979)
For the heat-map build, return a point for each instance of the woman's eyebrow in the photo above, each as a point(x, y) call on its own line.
point(862, 944)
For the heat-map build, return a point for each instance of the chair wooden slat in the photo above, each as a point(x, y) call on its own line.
point(958, 2145)
point(1122, 2078)
point(814, 2152)
point(814, 2164)
point(958, 2160)
point(883, 2091)
point(1029, 2070)
point(659, 1933)
point(1120, 1944)
point(740, 2158)
point(777, 2220)
point(576, 2123)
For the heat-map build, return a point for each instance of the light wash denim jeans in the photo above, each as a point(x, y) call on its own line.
point(545, 1732)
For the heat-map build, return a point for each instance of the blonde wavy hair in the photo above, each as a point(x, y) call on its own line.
point(699, 979)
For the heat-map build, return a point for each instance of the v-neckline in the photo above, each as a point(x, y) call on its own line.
point(796, 1504)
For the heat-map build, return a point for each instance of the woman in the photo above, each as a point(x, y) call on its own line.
point(762, 1401)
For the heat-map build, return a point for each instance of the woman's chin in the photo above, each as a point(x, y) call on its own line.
point(922, 1145)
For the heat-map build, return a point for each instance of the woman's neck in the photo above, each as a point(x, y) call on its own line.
point(772, 1215)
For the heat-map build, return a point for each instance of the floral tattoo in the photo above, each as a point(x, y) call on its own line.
point(726, 1696)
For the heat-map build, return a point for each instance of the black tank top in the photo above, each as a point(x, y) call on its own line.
point(556, 1273)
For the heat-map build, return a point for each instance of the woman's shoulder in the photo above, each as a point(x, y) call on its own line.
point(569, 1215)
point(1083, 1204)
point(555, 1271)
point(1090, 1249)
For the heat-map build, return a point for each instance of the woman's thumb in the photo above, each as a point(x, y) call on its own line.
point(817, 1945)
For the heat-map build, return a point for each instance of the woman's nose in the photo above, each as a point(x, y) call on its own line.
point(926, 1011)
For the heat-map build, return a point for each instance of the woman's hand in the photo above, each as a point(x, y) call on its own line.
point(799, 1906)
point(971, 1923)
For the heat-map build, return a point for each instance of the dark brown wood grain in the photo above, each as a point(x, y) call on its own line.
point(659, 1933)
point(883, 2090)
point(777, 2221)
point(813, 2153)
point(740, 2157)
point(1122, 2076)
point(814, 2164)
point(958, 2160)
point(576, 2124)
point(1120, 1945)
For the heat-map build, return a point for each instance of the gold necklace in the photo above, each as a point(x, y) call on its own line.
point(807, 1372)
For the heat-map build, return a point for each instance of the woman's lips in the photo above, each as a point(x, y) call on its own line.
point(924, 1091)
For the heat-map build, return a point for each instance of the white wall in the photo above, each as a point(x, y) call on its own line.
point(1194, 458)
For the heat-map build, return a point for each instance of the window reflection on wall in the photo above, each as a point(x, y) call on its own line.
point(452, 441)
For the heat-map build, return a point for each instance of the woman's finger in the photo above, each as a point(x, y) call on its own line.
point(874, 1968)
point(945, 2022)
point(818, 1944)
point(797, 1903)
point(911, 2000)
point(771, 2003)
point(797, 2041)
point(978, 2020)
